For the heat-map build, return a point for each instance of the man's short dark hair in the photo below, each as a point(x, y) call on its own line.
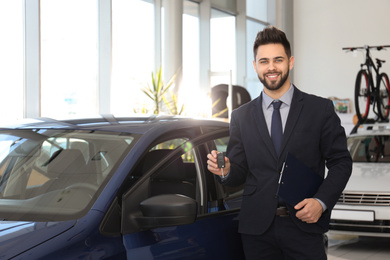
point(269, 35)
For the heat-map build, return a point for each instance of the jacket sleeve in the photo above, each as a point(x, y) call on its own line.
point(337, 157)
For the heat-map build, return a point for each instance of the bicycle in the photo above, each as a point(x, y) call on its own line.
point(366, 92)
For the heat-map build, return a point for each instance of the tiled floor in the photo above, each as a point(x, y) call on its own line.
point(358, 248)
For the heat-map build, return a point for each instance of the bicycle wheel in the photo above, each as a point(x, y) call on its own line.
point(362, 95)
point(384, 96)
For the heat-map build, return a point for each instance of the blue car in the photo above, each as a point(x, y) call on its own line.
point(115, 188)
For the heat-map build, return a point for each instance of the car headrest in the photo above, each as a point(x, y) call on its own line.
point(69, 161)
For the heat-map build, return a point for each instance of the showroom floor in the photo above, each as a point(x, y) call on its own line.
point(358, 248)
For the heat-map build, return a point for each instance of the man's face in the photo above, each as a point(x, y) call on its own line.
point(273, 66)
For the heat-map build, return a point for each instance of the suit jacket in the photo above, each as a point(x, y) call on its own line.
point(313, 134)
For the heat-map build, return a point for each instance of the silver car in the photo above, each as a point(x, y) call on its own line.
point(364, 206)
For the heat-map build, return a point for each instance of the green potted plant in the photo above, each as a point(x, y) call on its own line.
point(157, 89)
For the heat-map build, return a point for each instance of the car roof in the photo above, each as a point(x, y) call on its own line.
point(136, 124)
point(372, 129)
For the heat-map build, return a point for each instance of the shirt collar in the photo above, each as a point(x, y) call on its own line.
point(286, 98)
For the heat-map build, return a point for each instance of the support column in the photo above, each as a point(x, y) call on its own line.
point(105, 56)
point(204, 45)
point(241, 43)
point(284, 12)
point(32, 65)
point(173, 43)
point(157, 34)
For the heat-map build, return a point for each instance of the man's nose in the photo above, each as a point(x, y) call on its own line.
point(271, 65)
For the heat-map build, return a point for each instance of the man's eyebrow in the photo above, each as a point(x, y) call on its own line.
point(279, 57)
point(274, 58)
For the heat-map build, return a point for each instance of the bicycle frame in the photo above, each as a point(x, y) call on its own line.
point(373, 93)
point(369, 63)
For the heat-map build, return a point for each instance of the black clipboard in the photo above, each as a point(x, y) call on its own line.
point(297, 181)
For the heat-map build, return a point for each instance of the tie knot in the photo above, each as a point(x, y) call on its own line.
point(276, 104)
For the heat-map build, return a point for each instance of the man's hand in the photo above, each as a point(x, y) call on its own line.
point(212, 164)
point(309, 210)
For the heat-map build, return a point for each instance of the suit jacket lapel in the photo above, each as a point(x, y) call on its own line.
point(258, 117)
point(295, 110)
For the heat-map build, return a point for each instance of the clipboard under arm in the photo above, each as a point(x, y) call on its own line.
point(297, 181)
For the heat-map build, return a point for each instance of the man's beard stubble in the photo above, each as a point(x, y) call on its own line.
point(278, 85)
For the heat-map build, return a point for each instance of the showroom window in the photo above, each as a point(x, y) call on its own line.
point(222, 47)
point(69, 57)
point(65, 75)
point(132, 54)
point(11, 61)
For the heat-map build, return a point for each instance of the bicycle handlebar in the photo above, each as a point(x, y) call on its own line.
point(366, 47)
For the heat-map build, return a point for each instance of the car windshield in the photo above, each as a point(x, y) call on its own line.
point(372, 148)
point(52, 175)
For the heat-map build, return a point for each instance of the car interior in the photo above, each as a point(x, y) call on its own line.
point(176, 178)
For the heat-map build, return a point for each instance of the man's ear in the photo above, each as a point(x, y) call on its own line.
point(291, 62)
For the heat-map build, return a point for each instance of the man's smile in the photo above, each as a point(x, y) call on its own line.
point(272, 76)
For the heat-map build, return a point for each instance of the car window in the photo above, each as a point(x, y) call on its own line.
point(372, 148)
point(181, 169)
point(183, 174)
point(226, 198)
point(178, 176)
point(170, 144)
point(188, 156)
point(55, 174)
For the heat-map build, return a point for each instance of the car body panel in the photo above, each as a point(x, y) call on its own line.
point(85, 238)
point(369, 178)
point(189, 241)
point(17, 236)
point(364, 206)
point(82, 241)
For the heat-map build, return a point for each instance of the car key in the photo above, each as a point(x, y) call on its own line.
point(221, 162)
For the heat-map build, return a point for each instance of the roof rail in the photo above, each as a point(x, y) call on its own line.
point(371, 126)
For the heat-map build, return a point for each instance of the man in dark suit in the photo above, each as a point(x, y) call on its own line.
point(311, 131)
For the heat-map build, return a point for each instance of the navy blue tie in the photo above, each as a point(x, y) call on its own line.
point(276, 126)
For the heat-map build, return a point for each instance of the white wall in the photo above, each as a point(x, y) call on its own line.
point(322, 28)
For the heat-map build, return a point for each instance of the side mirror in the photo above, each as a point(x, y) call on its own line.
point(167, 210)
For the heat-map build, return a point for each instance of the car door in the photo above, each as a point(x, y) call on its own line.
point(203, 226)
